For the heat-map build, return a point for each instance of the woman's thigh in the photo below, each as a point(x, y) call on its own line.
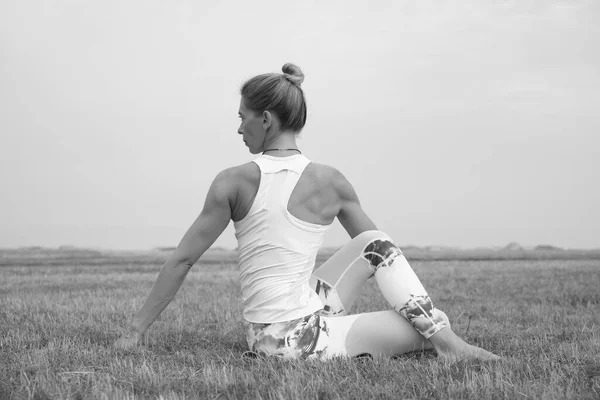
point(321, 337)
point(376, 333)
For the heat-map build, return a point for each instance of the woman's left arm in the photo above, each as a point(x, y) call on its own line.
point(209, 225)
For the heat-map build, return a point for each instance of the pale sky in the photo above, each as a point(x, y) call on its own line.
point(459, 123)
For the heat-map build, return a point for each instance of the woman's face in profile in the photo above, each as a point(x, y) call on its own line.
point(251, 128)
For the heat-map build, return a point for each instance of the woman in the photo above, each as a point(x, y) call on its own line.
point(282, 204)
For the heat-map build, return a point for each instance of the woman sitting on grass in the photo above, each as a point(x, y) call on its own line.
point(282, 205)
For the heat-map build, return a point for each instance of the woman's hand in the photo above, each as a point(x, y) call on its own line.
point(127, 341)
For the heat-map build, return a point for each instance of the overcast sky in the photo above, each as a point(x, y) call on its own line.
point(460, 123)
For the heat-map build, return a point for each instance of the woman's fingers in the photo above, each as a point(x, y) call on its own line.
point(126, 342)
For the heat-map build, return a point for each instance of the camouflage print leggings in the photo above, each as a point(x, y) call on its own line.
point(331, 332)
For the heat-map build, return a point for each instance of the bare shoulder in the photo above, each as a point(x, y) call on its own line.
point(323, 171)
point(242, 185)
point(348, 208)
point(228, 183)
point(331, 176)
point(239, 174)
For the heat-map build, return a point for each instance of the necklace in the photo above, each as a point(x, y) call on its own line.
point(282, 150)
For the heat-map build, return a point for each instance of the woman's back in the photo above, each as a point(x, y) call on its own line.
point(279, 235)
point(315, 199)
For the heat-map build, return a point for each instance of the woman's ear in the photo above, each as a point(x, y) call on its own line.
point(267, 120)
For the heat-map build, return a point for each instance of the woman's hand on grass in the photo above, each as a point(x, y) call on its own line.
point(127, 341)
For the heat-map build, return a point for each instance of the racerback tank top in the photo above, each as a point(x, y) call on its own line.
point(276, 250)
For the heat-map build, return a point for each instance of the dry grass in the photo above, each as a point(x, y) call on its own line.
point(57, 325)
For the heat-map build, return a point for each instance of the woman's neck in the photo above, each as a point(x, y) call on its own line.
point(282, 146)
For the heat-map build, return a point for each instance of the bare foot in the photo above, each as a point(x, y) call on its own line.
point(467, 352)
point(451, 348)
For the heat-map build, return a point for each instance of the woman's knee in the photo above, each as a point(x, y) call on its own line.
point(378, 249)
point(444, 316)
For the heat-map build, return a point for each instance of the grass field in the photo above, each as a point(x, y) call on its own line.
point(58, 323)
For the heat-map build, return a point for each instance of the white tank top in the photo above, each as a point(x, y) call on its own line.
point(276, 250)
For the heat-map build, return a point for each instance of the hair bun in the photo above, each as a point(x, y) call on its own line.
point(293, 73)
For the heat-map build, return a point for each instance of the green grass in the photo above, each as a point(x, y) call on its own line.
point(58, 323)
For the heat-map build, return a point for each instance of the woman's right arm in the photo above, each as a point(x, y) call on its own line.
point(209, 225)
point(351, 215)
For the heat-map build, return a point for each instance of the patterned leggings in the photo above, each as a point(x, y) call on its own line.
point(331, 332)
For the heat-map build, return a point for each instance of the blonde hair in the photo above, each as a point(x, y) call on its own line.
point(280, 94)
